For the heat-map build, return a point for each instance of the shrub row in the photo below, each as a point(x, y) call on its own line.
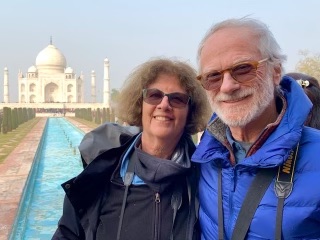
point(97, 116)
point(11, 118)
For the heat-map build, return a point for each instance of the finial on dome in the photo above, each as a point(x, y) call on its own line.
point(50, 40)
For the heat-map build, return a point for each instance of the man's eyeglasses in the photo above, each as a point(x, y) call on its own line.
point(241, 72)
point(154, 96)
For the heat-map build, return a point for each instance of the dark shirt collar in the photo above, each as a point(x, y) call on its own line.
point(239, 149)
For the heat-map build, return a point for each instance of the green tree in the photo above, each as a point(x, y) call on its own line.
point(309, 64)
point(20, 116)
point(14, 118)
point(9, 119)
point(76, 112)
point(104, 115)
point(114, 96)
point(97, 118)
point(5, 120)
point(108, 115)
point(89, 114)
point(24, 114)
point(112, 117)
point(1, 118)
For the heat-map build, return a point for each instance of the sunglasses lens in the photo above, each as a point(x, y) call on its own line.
point(154, 96)
point(178, 100)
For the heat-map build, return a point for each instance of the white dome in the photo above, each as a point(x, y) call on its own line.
point(106, 60)
point(51, 59)
point(32, 69)
point(68, 70)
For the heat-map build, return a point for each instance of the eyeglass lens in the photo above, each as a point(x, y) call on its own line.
point(154, 96)
point(241, 72)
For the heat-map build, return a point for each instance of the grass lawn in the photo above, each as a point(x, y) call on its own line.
point(9, 141)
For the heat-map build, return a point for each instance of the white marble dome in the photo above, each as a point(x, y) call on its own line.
point(50, 59)
point(32, 69)
point(68, 70)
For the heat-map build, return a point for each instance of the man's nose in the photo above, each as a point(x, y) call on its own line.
point(229, 84)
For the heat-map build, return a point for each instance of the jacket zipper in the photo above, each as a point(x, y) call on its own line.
point(157, 217)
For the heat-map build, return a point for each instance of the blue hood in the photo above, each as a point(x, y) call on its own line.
point(275, 149)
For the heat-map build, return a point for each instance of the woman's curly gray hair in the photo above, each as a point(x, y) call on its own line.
point(129, 102)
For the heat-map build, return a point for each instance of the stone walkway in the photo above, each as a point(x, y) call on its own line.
point(14, 172)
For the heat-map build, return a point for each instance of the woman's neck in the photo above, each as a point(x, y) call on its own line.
point(161, 148)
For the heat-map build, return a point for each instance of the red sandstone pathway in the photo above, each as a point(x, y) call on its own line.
point(14, 172)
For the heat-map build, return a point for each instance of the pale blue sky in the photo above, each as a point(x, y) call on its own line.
point(131, 32)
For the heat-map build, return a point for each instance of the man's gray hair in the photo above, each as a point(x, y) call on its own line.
point(268, 45)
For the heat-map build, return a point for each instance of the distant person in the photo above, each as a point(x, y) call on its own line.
point(139, 182)
point(311, 87)
point(260, 166)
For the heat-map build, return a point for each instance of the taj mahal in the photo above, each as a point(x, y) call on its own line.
point(51, 83)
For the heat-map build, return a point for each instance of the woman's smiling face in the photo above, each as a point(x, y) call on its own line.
point(162, 120)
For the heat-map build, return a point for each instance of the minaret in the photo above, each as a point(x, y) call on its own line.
point(106, 84)
point(93, 87)
point(6, 86)
point(82, 86)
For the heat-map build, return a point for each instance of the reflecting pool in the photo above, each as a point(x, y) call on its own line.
point(56, 161)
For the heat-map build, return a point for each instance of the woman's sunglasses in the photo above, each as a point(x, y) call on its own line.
point(154, 96)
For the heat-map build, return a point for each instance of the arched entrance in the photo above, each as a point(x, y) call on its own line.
point(51, 93)
point(32, 99)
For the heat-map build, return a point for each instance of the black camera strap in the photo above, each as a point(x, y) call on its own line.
point(251, 202)
point(128, 179)
point(283, 187)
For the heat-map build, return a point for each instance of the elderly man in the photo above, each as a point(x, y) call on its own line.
point(260, 167)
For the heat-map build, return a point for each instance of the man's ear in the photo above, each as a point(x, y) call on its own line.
point(277, 70)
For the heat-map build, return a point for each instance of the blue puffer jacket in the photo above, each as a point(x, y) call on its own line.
point(301, 214)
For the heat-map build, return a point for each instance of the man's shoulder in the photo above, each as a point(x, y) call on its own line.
point(311, 135)
point(310, 145)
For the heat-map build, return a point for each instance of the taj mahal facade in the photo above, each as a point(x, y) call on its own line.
point(50, 80)
point(50, 83)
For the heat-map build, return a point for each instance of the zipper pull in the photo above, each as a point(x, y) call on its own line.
point(157, 198)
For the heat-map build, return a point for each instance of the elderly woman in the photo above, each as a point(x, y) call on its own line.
point(139, 182)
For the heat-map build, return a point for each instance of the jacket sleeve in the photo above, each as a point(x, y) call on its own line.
point(69, 226)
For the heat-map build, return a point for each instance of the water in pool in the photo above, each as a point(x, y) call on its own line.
point(57, 160)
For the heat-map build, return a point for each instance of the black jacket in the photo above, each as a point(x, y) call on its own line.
point(102, 151)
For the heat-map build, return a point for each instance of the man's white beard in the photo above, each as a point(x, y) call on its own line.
point(262, 95)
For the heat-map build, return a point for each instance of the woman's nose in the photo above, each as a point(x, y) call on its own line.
point(164, 103)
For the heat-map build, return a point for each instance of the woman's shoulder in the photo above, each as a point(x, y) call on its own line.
point(105, 137)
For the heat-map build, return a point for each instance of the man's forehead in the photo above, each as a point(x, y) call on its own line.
point(234, 48)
